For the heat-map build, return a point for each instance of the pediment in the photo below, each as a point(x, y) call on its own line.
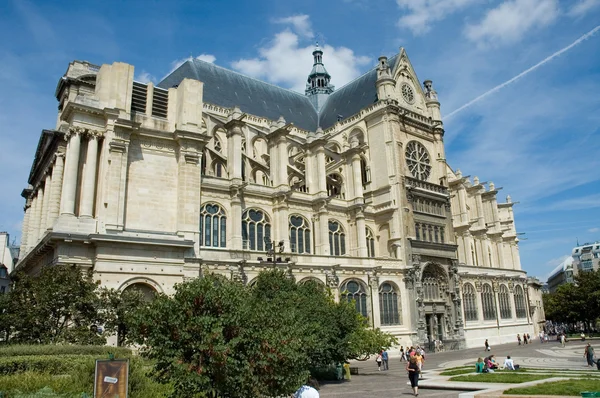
point(404, 74)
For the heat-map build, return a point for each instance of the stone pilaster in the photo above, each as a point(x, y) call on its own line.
point(55, 189)
point(323, 230)
point(235, 238)
point(32, 235)
point(69, 189)
point(188, 197)
point(356, 175)
point(374, 293)
point(116, 184)
point(89, 177)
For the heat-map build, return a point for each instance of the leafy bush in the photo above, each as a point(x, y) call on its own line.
point(32, 382)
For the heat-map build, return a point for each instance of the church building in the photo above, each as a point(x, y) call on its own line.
point(211, 171)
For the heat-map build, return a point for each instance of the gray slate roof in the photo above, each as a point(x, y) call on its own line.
point(226, 88)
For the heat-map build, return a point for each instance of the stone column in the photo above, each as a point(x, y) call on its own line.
point(89, 178)
point(55, 189)
point(234, 150)
point(69, 189)
point(45, 204)
point(37, 218)
point(324, 231)
point(496, 289)
point(235, 240)
point(25, 228)
point(462, 200)
point(321, 170)
point(310, 172)
point(32, 236)
point(283, 160)
point(361, 234)
point(357, 177)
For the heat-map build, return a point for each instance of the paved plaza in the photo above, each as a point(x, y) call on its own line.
point(371, 382)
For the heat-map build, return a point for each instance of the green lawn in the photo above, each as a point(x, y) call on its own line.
point(561, 388)
point(455, 372)
point(500, 377)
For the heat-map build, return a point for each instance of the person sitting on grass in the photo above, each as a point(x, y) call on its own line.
point(479, 365)
point(508, 363)
point(490, 362)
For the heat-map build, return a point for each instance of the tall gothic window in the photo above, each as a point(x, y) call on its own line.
point(520, 302)
point(213, 226)
point(431, 288)
point(504, 302)
point(370, 243)
point(218, 169)
point(488, 302)
point(255, 227)
point(337, 239)
point(388, 305)
point(299, 235)
point(470, 302)
point(353, 290)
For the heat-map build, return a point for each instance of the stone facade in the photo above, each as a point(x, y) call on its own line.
point(154, 185)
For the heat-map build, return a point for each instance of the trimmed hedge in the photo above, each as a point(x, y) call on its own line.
point(51, 364)
point(68, 371)
point(99, 351)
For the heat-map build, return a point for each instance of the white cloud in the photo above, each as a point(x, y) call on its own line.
point(285, 62)
point(593, 230)
point(300, 23)
point(509, 22)
point(422, 14)
point(582, 7)
point(145, 77)
point(202, 57)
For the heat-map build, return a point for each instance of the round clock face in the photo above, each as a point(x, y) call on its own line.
point(418, 161)
point(407, 93)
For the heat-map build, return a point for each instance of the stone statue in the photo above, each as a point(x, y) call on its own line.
point(430, 93)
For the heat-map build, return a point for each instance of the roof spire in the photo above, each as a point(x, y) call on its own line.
point(318, 85)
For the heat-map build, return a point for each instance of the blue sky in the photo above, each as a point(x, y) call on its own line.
point(538, 136)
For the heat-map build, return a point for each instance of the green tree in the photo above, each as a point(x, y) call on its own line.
point(58, 305)
point(574, 302)
point(119, 309)
point(216, 336)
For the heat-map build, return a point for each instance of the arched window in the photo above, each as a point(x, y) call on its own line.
point(370, 243)
point(470, 302)
point(255, 228)
point(520, 302)
point(488, 302)
point(431, 288)
point(504, 301)
point(353, 290)
point(213, 226)
point(299, 235)
point(337, 239)
point(388, 305)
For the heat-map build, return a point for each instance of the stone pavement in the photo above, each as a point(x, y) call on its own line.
point(371, 382)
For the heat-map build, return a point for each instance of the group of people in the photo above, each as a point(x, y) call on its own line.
point(489, 364)
point(382, 359)
point(526, 338)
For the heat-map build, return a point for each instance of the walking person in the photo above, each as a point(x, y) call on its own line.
point(519, 338)
point(413, 375)
point(588, 354)
point(487, 345)
point(562, 340)
point(378, 359)
point(420, 357)
point(524, 338)
point(384, 357)
point(402, 354)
